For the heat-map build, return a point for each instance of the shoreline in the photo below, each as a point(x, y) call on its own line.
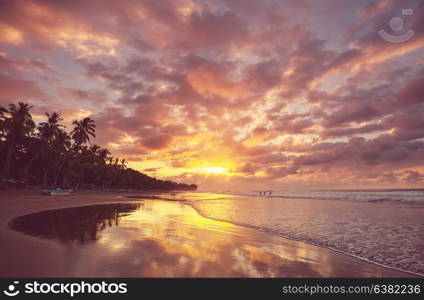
point(385, 233)
point(18, 203)
point(307, 242)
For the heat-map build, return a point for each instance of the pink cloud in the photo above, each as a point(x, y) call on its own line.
point(278, 88)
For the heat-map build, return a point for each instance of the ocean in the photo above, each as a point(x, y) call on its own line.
point(385, 227)
point(392, 195)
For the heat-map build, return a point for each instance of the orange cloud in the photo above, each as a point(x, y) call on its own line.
point(214, 80)
point(227, 93)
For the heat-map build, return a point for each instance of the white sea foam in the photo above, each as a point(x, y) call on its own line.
point(387, 233)
point(414, 195)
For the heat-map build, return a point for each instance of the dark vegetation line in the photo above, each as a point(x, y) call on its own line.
point(49, 156)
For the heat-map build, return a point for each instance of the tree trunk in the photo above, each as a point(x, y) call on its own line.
point(8, 159)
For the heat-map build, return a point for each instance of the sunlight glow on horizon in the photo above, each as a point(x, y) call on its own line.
point(220, 94)
point(213, 170)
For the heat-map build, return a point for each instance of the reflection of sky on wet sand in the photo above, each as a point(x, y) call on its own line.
point(170, 239)
point(385, 232)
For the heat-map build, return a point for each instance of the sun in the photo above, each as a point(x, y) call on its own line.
point(212, 166)
point(214, 170)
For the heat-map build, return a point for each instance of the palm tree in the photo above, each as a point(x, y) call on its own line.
point(45, 151)
point(83, 130)
point(103, 155)
point(95, 148)
point(18, 126)
point(49, 129)
point(123, 163)
point(3, 111)
point(62, 141)
point(49, 157)
point(61, 146)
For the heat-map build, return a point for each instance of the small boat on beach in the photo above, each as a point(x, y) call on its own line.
point(56, 192)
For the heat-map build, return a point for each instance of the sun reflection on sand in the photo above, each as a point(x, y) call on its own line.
point(170, 239)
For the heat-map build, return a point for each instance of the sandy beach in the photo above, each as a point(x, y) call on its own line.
point(160, 239)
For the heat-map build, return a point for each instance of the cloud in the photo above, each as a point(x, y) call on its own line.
point(413, 176)
point(12, 89)
point(17, 65)
point(275, 92)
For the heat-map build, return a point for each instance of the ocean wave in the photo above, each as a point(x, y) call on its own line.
point(384, 234)
point(413, 196)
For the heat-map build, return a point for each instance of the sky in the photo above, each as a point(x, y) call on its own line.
point(230, 95)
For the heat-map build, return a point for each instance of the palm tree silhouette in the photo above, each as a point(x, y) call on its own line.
point(18, 126)
point(83, 130)
point(103, 155)
point(50, 128)
point(3, 111)
point(48, 155)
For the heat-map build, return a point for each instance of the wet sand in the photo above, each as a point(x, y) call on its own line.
point(152, 238)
